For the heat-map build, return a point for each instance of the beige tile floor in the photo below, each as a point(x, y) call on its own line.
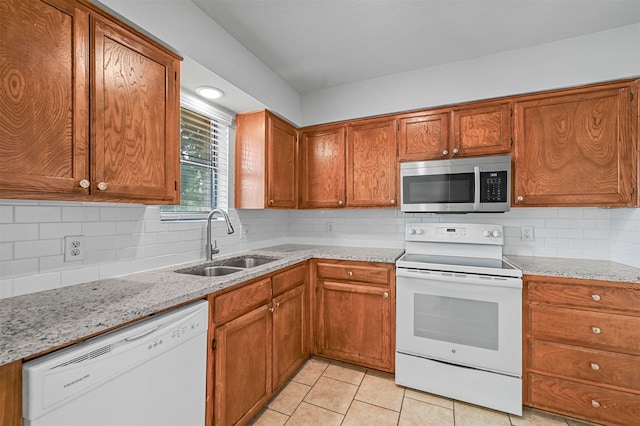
point(326, 393)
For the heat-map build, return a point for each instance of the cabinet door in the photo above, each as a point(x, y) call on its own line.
point(424, 137)
point(242, 367)
point(44, 98)
point(11, 394)
point(322, 168)
point(481, 130)
point(354, 323)
point(576, 149)
point(289, 348)
point(135, 123)
point(372, 165)
point(282, 141)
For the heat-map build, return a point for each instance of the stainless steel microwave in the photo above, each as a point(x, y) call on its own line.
point(464, 185)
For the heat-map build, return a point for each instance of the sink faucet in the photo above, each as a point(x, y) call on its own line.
point(211, 250)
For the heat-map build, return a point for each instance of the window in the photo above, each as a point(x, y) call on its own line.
point(204, 142)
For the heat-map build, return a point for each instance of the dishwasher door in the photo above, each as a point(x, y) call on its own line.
point(149, 373)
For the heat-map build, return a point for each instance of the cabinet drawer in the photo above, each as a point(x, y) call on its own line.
point(364, 273)
point(288, 279)
point(586, 364)
point(586, 296)
point(584, 401)
point(586, 328)
point(238, 302)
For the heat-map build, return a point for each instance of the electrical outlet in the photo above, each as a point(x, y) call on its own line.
point(526, 233)
point(74, 248)
point(329, 227)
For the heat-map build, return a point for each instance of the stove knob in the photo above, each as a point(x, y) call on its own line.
point(412, 231)
point(496, 234)
point(420, 231)
point(486, 233)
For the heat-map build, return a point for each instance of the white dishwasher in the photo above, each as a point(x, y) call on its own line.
point(148, 373)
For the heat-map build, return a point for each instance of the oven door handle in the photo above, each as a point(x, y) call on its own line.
point(476, 192)
point(458, 278)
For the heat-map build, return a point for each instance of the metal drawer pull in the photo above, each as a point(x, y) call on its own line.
point(596, 330)
point(595, 403)
point(84, 183)
point(595, 366)
point(271, 309)
point(350, 273)
point(102, 186)
point(595, 297)
point(386, 294)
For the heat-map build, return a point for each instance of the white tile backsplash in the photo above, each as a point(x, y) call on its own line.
point(124, 238)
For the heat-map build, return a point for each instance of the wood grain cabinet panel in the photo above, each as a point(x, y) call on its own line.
point(582, 353)
point(424, 136)
point(266, 162)
point(482, 130)
point(577, 148)
point(11, 394)
point(289, 335)
point(44, 98)
point(354, 319)
point(89, 108)
point(323, 167)
point(372, 166)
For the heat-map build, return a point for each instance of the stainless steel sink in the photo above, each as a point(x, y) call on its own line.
point(246, 261)
point(227, 266)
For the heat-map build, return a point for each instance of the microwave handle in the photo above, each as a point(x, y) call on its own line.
point(476, 195)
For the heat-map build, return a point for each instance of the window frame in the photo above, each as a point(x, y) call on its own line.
point(198, 106)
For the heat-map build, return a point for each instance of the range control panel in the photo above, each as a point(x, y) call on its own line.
point(468, 233)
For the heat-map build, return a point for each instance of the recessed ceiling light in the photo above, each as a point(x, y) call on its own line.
point(209, 92)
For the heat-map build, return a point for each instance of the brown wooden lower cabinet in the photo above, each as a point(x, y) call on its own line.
point(355, 312)
point(11, 394)
point(260, 338)
point(582, 349)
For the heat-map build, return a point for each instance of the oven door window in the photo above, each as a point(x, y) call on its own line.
point(439, 189)
point(450, 319)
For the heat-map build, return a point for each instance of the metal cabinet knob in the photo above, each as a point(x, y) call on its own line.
point(520, 198)
point(102, 186)
point(595, 403)
point(392, 202)
point(596, 330)
point(271, 309)
point(595, 366)
point(595, 297)
point(386, 294)
point(270, 202)
point(84, 183)
point(277, 304)
point(350, 273)
point(455, 151)
point(445, 152)
point(340, 202)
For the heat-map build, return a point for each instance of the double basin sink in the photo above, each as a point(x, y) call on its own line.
point(227, 266)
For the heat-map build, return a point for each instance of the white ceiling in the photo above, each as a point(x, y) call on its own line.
point(315, 44)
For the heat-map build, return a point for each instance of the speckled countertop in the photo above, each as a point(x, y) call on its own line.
point(576, 268)
point(38, 322)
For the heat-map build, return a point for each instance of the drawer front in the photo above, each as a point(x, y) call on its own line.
point(586, 364)
point(584, 401)
point(364, 273)
point(288, 279)
point(586, 296)
point(585, 328)
point(238, 302)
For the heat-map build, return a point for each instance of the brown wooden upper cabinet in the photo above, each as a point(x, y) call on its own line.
point(266, 170)
point(372, 164)
point(472, 130)
point(89, 109)
point(577, 147)
point(323, 167)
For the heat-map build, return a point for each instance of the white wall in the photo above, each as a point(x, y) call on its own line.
point(601, 56)
point(625, 236)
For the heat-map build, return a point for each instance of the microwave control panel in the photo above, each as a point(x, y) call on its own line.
point(493, 187)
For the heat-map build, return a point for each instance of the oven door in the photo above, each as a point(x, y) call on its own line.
point(462, 319)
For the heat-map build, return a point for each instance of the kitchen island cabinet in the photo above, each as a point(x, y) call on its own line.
point(582, 348)
point(89, 109)
point(266, 162)
point(577, 147)
point(355, 312)
point(11, 394)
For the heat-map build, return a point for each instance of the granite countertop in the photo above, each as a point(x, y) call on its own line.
point(576, 268)
point(39, 322)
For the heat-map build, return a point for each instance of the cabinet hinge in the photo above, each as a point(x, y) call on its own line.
point(631, 96)
point(175, 185)
point(511, 139)
point(175, 76)
point(214, 344)
point(511, 112)
point(632, 190)
point(397, 126)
